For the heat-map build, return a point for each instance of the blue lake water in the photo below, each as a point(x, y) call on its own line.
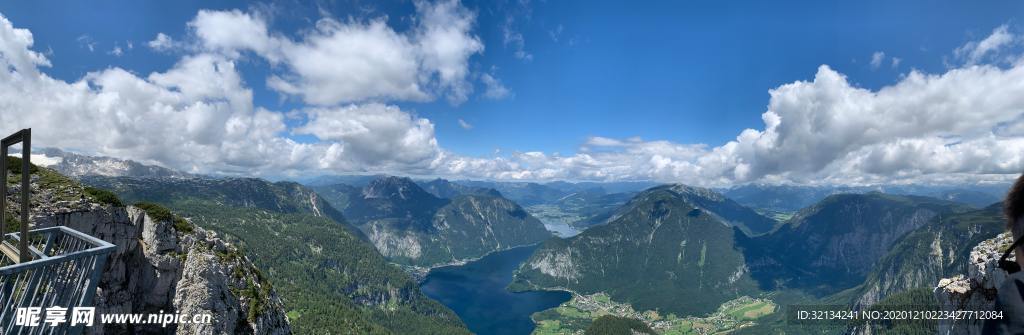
point(476, 292)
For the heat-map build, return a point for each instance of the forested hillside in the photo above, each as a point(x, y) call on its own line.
point(331, 280)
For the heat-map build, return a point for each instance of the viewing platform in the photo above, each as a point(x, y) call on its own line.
point(45, 273)
point(64, 267)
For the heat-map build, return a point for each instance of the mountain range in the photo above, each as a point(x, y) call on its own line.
point(680, 241)
point(77, 165)
point(331, 248)
point(331, 279)
point(791, 198)
point(922, 257)
point(412, 226)
point(834, 244)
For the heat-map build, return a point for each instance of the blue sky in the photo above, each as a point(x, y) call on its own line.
point(677, 73)
point(691, 72)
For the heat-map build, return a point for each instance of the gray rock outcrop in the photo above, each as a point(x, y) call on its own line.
point(159, 267)
point(975, 291)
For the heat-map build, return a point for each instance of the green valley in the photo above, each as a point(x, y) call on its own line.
point(580, 313)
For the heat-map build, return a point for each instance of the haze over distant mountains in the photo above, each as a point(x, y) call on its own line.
point(788, 198)
point(784, 198)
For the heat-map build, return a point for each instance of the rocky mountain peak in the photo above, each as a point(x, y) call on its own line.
point(716, 204)
point(396, 188)
point(706, 193)
point(77, 165)
point(661, 244)
point(442, 188)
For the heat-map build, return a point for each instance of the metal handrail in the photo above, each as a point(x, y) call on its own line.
point(65, 268)
point(99, 246)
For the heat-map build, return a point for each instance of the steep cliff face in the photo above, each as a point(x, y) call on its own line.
point(836, 243)
point(975, 290)
point(411, 226)
point(468, 227)
point(159, 268)
point(920, 258)
point(161, 264)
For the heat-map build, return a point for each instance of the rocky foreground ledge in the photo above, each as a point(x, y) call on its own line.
point(162, 263)
point(159, 266)
point(975, 291)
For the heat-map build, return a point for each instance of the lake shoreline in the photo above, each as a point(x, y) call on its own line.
point(478, 292)
point(420, 273)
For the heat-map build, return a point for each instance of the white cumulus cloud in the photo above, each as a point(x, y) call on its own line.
point(197, 116)
point(372, 135)
point(494, 88)
point(356, 60)
point(161, 42)
point(973, 52)
point(965, 124)
point(876, 59)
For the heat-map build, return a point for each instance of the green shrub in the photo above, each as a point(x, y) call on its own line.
point(183, 225)
point(103, 196)
point(161, 213)
point(14, 165)
point(238, 272)
point(258, 299)
point(155, 211)
point(229, 255)
point(12, 224)
point(614, 325)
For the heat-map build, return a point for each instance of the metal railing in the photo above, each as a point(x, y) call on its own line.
point(64, 267)
point(42, 269)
